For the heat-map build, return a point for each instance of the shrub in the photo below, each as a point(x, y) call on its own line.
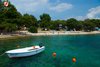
point(32, 29)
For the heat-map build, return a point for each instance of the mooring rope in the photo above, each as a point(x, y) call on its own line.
point(2, 54)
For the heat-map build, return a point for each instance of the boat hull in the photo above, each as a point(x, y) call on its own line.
point(25, 54)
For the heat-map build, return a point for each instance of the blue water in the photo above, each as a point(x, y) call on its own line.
point(86, 49)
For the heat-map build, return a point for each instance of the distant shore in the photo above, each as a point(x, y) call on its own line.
point(46, 33)
point(62, 33)
point(5, 37)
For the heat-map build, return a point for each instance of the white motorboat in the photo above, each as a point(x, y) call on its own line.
point(24, 52)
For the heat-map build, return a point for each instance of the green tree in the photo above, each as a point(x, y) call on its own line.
point(54, 25)
point(96, 22)
point(45, 20)
point(79, 26)
point(71, 23)
point(33, 29)
point(9, 12)
point(29, 20)
point(57, 25)
point(88, 25)
point(7, 17)
point(7, 27)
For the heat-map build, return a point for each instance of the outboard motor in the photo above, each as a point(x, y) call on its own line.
point(41, 44)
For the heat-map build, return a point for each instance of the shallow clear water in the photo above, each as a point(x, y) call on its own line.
point(86, 49)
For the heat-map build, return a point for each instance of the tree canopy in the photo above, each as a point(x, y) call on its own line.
point(45, 21)
point(12, 20)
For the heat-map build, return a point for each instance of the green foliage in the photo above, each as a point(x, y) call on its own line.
point(12, 20)
point(45, 17)
point(96, 22)
point(79, 26)
point(88, 25)
point(71, 23)
point(55, 25)
point(45, 20)
point(8, 27)
point(7, 15)
point(29, 20)
point(9, 12)
point(33, 29)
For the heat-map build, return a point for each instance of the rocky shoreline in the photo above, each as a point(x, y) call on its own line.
point(47, 33)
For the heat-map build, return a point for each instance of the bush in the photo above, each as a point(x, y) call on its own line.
point(8, 27)
point(32, 29)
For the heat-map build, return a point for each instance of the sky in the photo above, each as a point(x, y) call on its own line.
point(60, 9)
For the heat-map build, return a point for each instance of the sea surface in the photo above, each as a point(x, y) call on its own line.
point(85, 48)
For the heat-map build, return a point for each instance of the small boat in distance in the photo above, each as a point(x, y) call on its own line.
point(24, 52)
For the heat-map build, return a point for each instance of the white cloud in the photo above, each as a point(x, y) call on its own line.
point(93, 12)
point(30, 6)
point(61, 7)
point(80, 17)
point(39, 6)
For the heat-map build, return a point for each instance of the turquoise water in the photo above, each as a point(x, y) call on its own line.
point(86, 49)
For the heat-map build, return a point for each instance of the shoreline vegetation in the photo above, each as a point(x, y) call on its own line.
point(46, 33)
point(13, 24)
